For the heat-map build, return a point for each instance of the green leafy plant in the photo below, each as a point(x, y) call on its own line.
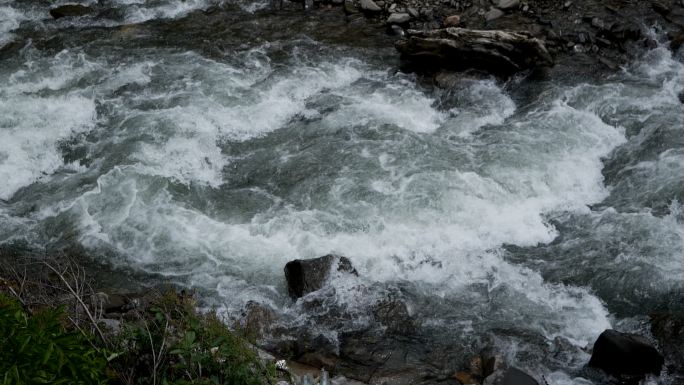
point(37, 349)
point(173, 344)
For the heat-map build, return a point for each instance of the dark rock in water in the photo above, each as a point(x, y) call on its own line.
point(681, 96)
point(510, 376)
point(308, 275)
point(491, 362)
point(661, 6)
point(622, 354)
point(257, 320)
point(350, 8)
point(70, 10)
point(396, 30)
point(394, 315)
point(502, 52)
point(676, 41)
point(668, 329)
point(624, 30)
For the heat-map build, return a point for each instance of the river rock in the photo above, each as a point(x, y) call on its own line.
point(508, 4)
point(342, 380)
point(452, 21)
point(510, 376)
point(370, 6)
point(396, 30)
point(623, 30)
point(350, 8)
point(680, 96)
point(465, 378)
point(668, 329)
point(622, 354)
point(257, 320)
point(493, 14)
point(308, 275)
point(491, 361)
point(393, 314)
point(399, 18)
point(502, 52)
point(70, 10)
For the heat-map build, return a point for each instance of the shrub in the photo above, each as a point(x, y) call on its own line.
point(171, 343)
point(37, 349)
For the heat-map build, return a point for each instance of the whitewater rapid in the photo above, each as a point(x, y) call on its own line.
point(556, 213)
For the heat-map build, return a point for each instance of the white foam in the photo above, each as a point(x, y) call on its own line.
point(397, 103)
point(481, 103)
point(10, 19)
point(398, 205)
point(32, 130)
point(549, 160)
point(191, 155)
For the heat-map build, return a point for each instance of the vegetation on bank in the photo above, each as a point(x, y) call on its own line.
point(53, 331)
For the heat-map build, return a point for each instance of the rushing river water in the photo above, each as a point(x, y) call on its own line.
point(213, 154)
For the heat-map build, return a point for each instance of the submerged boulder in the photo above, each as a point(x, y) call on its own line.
point(622, 354)
point(502, 52)
point(308, 275)
point(510, 376)
point(70, 10)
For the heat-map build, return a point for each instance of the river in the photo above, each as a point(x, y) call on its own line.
point(213, 150)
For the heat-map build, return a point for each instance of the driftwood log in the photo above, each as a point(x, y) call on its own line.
point(502, 52)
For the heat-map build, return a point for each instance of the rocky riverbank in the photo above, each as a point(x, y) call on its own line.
point(390, 350)
point(588, 36)
point(604, 34)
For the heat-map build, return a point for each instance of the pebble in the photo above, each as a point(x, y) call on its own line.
point(508, 4)
point(369, 5)
point(452, 21)
point(493, 14)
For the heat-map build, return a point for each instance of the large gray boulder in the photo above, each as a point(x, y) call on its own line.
point(308, 275)
point(502, 52)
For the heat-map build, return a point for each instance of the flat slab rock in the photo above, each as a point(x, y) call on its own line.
point(502, 52)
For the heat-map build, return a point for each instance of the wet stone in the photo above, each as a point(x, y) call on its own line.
point(70, 10)
point(370, 6)
point(309, 275)
point(399, 18)
point(493, 14)
point(623, 354)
